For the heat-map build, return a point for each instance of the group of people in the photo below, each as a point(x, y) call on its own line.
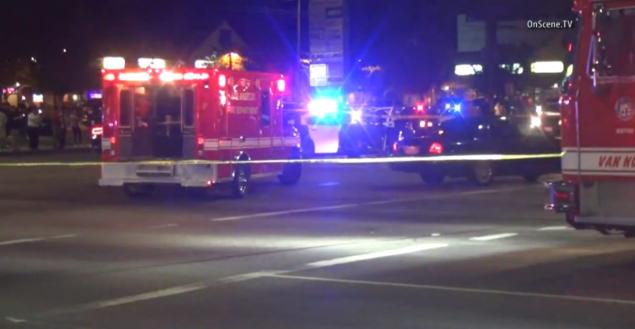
point(28, 123)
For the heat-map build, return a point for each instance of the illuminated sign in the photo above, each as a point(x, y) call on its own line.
point(318, 75)
point(547, 67)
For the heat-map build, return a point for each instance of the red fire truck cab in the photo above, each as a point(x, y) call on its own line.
point(156, 120)
point(598, 121)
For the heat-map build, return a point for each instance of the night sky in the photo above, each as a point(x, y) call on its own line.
point(399, 34)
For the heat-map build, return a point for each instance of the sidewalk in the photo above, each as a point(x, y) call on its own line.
point(46, 147)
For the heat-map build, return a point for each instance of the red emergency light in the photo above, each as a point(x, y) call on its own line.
point(134, 76)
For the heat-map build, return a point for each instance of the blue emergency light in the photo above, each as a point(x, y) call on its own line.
point(326, 105)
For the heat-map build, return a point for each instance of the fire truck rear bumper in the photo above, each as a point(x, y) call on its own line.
point(186, 175)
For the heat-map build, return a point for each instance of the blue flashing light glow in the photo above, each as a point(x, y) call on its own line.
point(321, 107)
point(456, 107)
point(326, 106)
point(94, 94)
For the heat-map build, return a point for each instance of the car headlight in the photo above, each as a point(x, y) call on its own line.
point(535, 122)
point(356, 116)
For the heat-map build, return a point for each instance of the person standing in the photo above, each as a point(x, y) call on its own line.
point(77, 132)
point(59, 128)
point(3, 129)
point(33, 123)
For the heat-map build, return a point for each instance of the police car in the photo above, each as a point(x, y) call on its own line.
point(474, 128)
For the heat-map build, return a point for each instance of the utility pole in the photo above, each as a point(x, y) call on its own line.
point(298, 45)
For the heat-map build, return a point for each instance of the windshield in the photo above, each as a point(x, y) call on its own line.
point(312, 164)
point(616, 46)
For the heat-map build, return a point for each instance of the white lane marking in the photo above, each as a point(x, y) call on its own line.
point(328, 184)
point(143, 296)
point(14, 320)
point(554, 228)
point(493, 236)
point(168, 292)
point(370, 203)
point(37, 239)
point(284, 212)
point(435, 234)
point(457, 289)
point(378, 254)
point(159, 227)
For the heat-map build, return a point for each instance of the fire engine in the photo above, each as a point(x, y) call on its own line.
point(598, 122)
point(157, 119)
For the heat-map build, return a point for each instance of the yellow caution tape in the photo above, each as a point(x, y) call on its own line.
point(378, 160)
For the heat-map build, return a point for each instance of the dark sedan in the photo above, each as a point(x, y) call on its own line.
point(478, 135)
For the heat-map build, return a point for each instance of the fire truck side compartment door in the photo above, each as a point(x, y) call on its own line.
point(188, 115)
point(125, 123)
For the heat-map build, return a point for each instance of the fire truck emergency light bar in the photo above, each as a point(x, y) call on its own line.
point(113, 63)
point(166, 76)
point(119, 63)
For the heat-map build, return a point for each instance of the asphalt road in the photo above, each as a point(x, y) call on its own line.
point(348, 247)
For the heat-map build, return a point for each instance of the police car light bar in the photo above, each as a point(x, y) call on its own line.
point(113, 63)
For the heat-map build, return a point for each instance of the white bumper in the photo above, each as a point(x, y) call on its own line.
point(186, 175)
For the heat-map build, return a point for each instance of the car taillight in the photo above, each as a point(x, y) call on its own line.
point(435, 148)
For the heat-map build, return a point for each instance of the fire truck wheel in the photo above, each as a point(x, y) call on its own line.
point(138, 190)
point(482, 173)
point(291, 173)
point(240, 184)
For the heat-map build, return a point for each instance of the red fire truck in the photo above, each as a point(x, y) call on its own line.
point(156, 120)
point(598, 121)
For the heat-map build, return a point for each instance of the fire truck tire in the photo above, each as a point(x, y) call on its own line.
point(240, 183)
point(138, 190)
point(482, 173)
point(291, 173)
